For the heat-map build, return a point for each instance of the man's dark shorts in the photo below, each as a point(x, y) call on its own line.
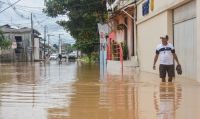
point(163, 69)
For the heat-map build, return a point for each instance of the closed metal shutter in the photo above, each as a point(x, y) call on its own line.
point(185, 38)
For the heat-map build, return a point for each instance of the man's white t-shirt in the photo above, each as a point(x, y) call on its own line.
point(165, 52)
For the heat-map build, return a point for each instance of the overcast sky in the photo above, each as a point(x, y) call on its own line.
point(19, 16)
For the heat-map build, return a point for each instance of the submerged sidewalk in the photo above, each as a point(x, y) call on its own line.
point(74, 90)
point(157, 100)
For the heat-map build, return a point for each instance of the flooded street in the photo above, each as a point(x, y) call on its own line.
point(75, 91)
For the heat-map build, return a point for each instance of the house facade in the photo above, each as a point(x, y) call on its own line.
point(23, 48)
point(179, 19)
point(121, 21)
point(122, 25)
point(176, 18)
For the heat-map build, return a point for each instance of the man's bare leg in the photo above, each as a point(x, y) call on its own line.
point(170, 79)
point(163, 80)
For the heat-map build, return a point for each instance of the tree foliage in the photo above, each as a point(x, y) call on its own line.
point(4, 43)
point(55, 46)
point(83, 17)
point(68, 47)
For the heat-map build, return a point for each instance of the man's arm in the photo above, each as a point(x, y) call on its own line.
point(176, 58)
point(154, 62)
point(174, 55)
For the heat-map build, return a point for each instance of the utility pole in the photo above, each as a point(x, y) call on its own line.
point(45, 32)
point(60, 44)
point(32, 39)
point(49, 41)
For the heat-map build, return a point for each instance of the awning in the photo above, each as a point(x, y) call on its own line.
point(115, 4)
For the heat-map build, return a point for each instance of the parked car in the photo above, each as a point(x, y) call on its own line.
point(72, 55)
point(64, 55)
point(53, 57)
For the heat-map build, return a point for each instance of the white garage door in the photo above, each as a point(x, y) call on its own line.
point(185, 38)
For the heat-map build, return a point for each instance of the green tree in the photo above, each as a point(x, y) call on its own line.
point(83, 17)
point(68, 47)
point(4, 43)
point(55, 46)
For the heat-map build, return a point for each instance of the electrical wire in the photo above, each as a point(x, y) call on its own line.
point(77, 5)
point(23, 6)
point(16, 10)
point(19, 7)
point(25, 17)
point(9, 6)
point(20, 14)
point(30, 7)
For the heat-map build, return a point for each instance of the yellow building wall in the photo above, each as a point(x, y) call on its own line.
point(150, 27)
point(120, 33)
point(159, 6)
point(198, 38)
point(149, 33)
point(130, 36)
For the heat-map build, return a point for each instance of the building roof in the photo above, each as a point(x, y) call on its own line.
point(8, 29)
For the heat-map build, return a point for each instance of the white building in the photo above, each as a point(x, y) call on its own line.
point(148, 20)
point(25, 49)
point(180, 19)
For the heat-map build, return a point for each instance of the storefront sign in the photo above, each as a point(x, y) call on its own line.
point(152, 5)
point(145, 8)
point(103, 31)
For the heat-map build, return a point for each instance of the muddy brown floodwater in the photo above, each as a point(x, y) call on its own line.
point(75, 91)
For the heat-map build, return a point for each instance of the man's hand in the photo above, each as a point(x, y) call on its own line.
point(154, 67)
point(154, 62)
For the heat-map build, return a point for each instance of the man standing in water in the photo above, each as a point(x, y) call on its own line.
point(60, 58)
point(167, 54)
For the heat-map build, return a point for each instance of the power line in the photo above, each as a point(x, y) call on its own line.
point(10, 6)
point(16, 11)
point(30, 7)
point(36, 12)
point(20, 14)
point(25, 16)
point(23, 6)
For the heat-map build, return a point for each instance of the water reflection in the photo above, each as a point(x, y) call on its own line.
point(119, 98)
point(107, 99)
point(84, 97)
point(75, 91)
point(167, 101)
point(30, 89)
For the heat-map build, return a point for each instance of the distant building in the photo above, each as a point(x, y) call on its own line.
point(23, 48)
